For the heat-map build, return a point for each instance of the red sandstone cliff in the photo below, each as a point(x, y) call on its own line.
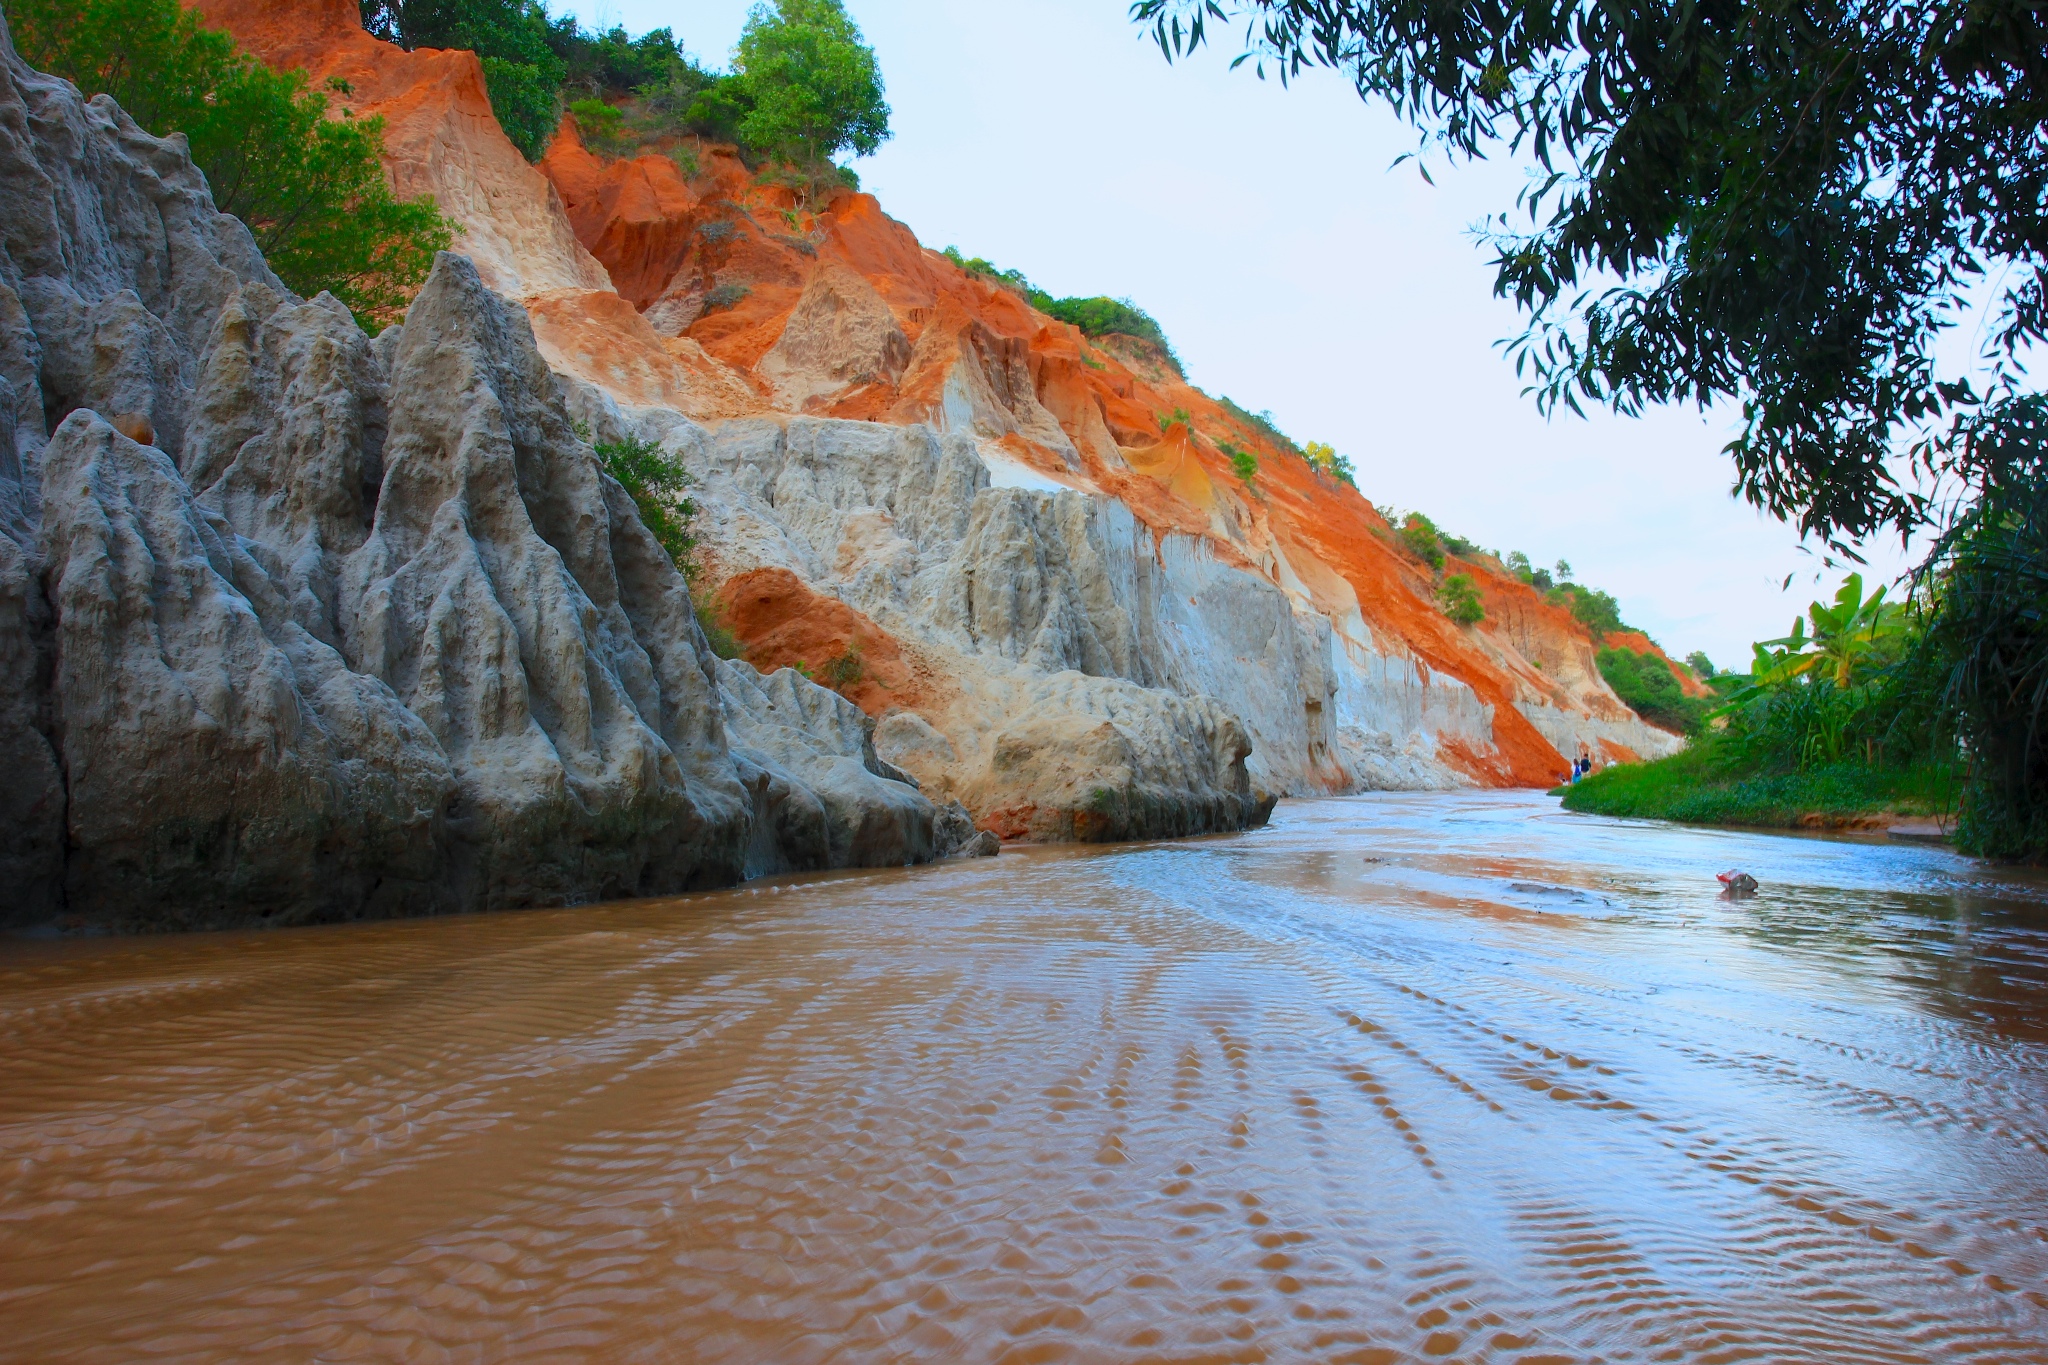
point(721, 298)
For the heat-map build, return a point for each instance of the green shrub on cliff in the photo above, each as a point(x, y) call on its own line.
point(601, 126)
point(660, 91)
point(717, 633)
point(1264, 424)
point(1646, 684)
point(848, 669)
point(723, 297)
point(659, 487)
point(1419, 537)
point(1099, 316)
point(1597, 611)
point(1459, 597)
point(1103, 316)
point(609, 61)
point(310, 187)
point(804, 86)
point(529, 60)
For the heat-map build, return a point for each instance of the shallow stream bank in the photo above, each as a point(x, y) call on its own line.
point(1397, 1078)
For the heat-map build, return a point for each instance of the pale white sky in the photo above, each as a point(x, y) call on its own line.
point(1295, 272)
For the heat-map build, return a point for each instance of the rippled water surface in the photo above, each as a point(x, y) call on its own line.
point(1444, 1077)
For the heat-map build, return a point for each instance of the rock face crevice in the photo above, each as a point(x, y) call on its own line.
point(299, 625)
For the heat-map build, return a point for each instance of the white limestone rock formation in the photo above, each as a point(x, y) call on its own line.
point(1072, 719)
point(1055, 610)
point(112, 265)
point(221, 761)
point(297, 626)
point(824, 798)
point(509, 595)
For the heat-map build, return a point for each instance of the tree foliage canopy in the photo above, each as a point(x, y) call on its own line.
point(1850, 638)
point(813, 83)
point(1418, 533)
point(311, 188)
point(1597, 611)
point(1646, 684)
point(1776, 202)
point(804, 87)
point(1327, 461)
point(1987, 635)
point(1104, 316)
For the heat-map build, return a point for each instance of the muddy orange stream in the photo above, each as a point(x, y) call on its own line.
point(1400, 1078)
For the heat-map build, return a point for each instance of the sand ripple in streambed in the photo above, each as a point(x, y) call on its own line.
point(1404, 1078)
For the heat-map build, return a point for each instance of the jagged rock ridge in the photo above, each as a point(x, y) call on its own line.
point(299, 625)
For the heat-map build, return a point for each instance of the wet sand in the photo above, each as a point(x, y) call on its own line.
point(1400, 1078)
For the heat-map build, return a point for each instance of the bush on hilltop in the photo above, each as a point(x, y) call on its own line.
point(1262, 424)
point(1597, 611)
point(813, 83)
point(1098, 316)
point(1325, 460)
point(804, 86)
point(1419, 535)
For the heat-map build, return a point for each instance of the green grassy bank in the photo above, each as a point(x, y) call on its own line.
point(1700, 786)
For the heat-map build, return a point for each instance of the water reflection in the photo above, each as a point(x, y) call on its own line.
point(1399, 1078)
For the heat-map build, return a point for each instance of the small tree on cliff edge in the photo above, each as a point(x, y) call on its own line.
point(814, 85)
